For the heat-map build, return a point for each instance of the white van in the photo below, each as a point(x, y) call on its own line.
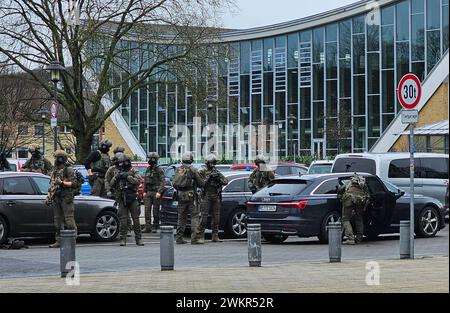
point(431, 170)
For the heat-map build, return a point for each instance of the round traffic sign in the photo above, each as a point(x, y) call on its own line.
point(409, 91)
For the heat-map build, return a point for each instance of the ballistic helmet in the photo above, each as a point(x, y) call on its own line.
point(260, 159)
point(211, 159)
point(119, 149)
point(187, 158)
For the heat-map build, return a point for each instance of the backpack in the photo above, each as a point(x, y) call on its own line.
point(182, 178)
point(80, 181)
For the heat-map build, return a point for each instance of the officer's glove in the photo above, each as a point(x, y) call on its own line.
point(58, 182)
point(158, 195)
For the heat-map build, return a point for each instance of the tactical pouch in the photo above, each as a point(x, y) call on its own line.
point(130, 197)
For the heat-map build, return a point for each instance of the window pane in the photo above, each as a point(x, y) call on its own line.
point(359, 95)
point(418, 68)
point(359, 132)
point(373, 115)
point(345, 39)
point(417, 38)
point(235, 186)
point(402, 14)
point(318, 45)
point(17, 186)
point(268, 88)
point(305, 103)
point(256, 108)
point(331, 32)
point(332, 98)
point(434, 168)
point(387, 46)
point(416, 6)
point(433, 18)
point(345, 79)
point(373, 38)
point(400, 169)
point(318, 84)
point(388, 91)
point(402, 59)
point(387, 15)
point(445, 36)
point(305, 134)
point(245, 57)
point(358, 24)
point(373, 73)
point(387, 119)
point(433, 49)
point(268, 54)
point(43, 184)
point(344, 165)
point(318, 119)
point(292, 86)
point(293, 50)
point(245, 91)
point(359, 57)
point(280, 106)
point(331, 60)
point(327, 187)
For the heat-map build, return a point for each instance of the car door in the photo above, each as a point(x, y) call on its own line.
point(41, 184)
point(434, 174)
point(28, 213)
point(382, 203)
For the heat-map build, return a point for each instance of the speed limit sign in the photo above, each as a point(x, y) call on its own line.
point(409, 91)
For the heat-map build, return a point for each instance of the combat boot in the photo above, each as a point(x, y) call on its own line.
point(147, 229)
point(123, 242)
point(199, 241)
point(349, 242)
point(181, 242)
point(139, 242)
point(215, 238)
point(55, 245)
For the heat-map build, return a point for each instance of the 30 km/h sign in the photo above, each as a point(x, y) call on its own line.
point(409, 91)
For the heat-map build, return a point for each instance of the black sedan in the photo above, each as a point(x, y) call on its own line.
point(304, 206)
point(232, 214)
point(24, 214)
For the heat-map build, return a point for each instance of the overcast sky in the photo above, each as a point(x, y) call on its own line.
point(254, 13)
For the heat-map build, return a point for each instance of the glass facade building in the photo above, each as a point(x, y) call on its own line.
point(330, 88)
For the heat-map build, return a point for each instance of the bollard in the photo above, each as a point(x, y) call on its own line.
point(67, 240)
point(166, 247)
point(334, 242)
point(404, 240)
point(254, 244)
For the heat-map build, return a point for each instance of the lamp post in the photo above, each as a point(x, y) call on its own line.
point(43, 112)
point(55, 71)
point(292, 119)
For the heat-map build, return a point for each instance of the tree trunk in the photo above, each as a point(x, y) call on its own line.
point(83, 147)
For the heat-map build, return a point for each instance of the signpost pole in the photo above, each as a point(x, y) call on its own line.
point(411, 184)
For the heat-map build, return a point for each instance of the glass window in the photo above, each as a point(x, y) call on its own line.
point(433, 18)
point(400, 169)
point(416, 6)
point(373, 37)
point(418, 68)
point(268, 88)
point(305, 36)
point(373, 73)
point(433, 49)
point(387, 15)
point(305, 134)
point(280, 106)
point(434, 168)
point(283, 170)
point(331, 53)
point(17, 186)
point(359, 132)
point(245, 57)
point(388, 92)
point(318, 119)
point(283, 187)
point(374, 185)
point(345, 40)
point(332, 98)
point(331, 33)
point(387, 46)
point(268, 54)
point(293, 50)
point(373, 115)
point(358, 24)
point(328, 187)
point(445, 35)
point(402, 59)
point(359, 95)
point(359, 56)
point(22, 153)
point(318, 45)
point(387, 119)
point(245, 91)
point(38, 130)
point(305, 103)
point(402, 22)
point(343, 165)
point(42, 184)
point(345, 79)
point(318, 81)
point(280, 41)
point(236, 185)
point(417, 38)
point(256, 108)
point(292, 86)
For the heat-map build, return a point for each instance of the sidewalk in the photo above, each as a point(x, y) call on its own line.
point(420, 275)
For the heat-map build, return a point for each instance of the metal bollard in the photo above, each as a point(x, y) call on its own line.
point(334, 242)
point(166, 247)
point(67, 240)
point(254, 244)
point(405, 252)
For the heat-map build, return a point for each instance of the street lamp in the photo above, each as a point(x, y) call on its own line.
point(292, 120)
point(55, 72)
point(43, 112)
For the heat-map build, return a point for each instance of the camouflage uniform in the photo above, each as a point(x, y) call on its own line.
point(260, 177)
point(154, 183)
point(61, 197)
point(186, 177)
point(99, 163)
point(37, 163)
point(211, 198)
point(354, 195)
point(125, 184)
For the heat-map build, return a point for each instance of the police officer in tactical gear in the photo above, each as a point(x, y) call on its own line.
point(261, 176)
point(37, 163)
point(186, 181)
point(63, 183)
point(4, 164)
point(211, 198)
point(354, 195)
point(154, 182)
point(112, 171)
point(125, 184)
point(97, 163)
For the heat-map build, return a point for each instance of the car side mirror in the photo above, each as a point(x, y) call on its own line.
point(400, 193)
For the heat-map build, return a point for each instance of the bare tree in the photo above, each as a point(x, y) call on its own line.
point(120, 46)
point(339, 129)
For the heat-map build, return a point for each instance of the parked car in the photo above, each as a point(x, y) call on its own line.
point(431, 170)
point(320, 167)
point(170, 169)
point(24, 214)
point(15, 165)
point(232, 213)
point(223, 167)
point(86, 187)
point(280, 168)
point(304, 206)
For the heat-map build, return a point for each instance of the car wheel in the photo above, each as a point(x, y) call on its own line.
point(106, 227)
point(331, 217)
point(275, 238)
point(428, 223)
point(237, 227)
point(372, 235)
point(3, 230)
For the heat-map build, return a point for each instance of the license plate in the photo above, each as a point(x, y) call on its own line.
point(267, 208)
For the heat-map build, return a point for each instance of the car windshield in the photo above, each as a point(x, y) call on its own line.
point(283, 188)
point(320, 169)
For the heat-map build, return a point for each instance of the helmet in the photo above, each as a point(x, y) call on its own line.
point(106, 143)
point(260, 159)
point(211, 159)
point(187, 158)
point(61, 156)
point(152, 155)
point(118, 149)
point(124, 159)
point(34, 148)
point(115, 158)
